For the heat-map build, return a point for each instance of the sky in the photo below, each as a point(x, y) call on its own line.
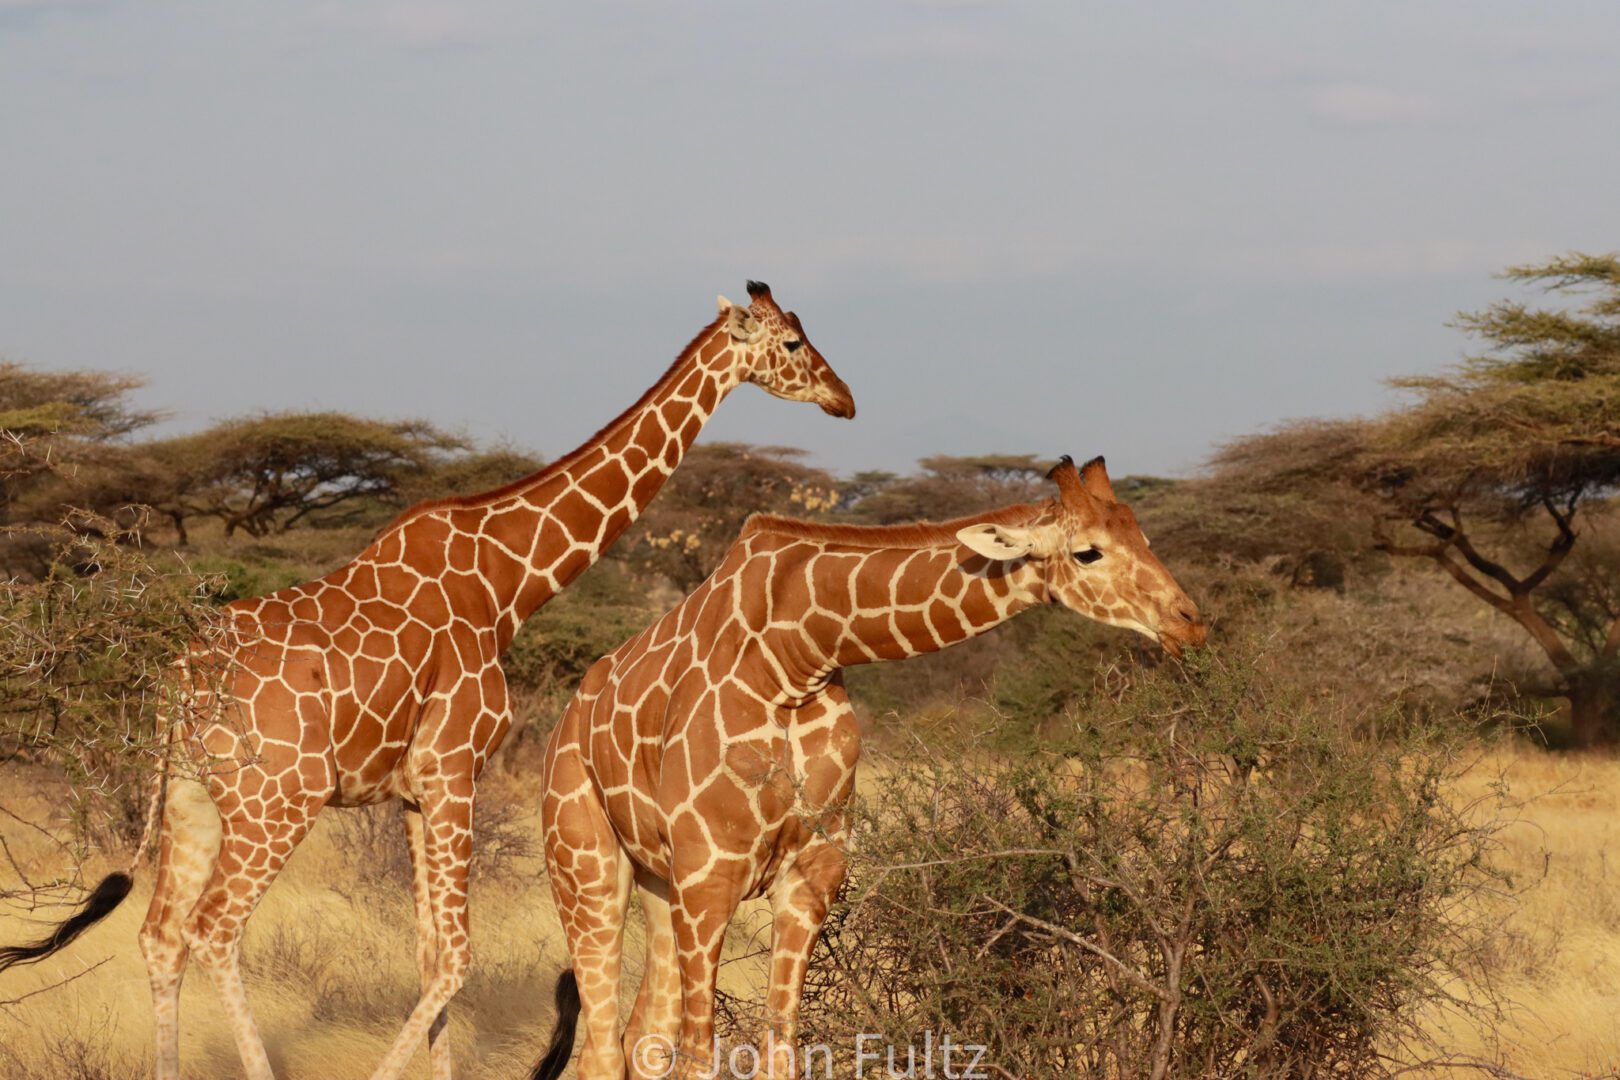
point(1017, 227)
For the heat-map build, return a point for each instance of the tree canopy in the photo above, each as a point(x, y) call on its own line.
point(264, 474)
point(52, 422)
point(1533, 419)
point(1497, 463)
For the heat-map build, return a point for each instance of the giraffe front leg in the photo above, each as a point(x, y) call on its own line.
point(799, 902)
point(655, 1023)
point(701, 908)
point(427, 939)
point(447, 818)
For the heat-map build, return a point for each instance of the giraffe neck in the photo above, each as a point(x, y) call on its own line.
point(892, 604)
point(533, 537)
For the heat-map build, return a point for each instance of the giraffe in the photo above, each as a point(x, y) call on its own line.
point(382, 681)
point(710, 758)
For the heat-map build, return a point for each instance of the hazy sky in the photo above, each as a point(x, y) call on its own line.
point(1043, 227)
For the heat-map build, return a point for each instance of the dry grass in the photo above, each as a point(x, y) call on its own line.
point(330, 971)
point(329, 968)
point(1556, 960)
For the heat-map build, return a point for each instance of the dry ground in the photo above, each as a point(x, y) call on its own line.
point(330, 970)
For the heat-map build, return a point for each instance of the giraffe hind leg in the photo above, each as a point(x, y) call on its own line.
point(188, 847)
point(251, 852)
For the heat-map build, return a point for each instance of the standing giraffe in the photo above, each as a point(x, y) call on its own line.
point(711, 757)
point(382, 681)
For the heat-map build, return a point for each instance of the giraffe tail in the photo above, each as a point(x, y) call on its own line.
point(106, 896)
point(562, 1037)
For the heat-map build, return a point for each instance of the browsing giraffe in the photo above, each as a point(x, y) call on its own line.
point(382, 681)
point(711, 757)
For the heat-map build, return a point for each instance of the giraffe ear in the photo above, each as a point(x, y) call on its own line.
point(1004, 542)
point(725, 305)
point(743, 325)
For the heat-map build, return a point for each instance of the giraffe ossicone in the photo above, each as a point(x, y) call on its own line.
point(381, 680)
point(711, 758)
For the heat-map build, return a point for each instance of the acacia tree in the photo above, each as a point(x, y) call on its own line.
point(265, 474)
point(1496, 473)
point(57, 428)
point(54, 422)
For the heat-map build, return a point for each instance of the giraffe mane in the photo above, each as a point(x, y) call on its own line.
point(463, 502)
point(906, 535)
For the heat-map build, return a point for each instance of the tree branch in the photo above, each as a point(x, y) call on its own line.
point(1561, 545)
point(1065, 934)
point(1454, 535)
point(7, 1003)
point(1515, 605)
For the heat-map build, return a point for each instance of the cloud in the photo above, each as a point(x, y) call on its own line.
point(1353, 104)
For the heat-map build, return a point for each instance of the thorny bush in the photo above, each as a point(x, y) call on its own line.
point(1210, 877)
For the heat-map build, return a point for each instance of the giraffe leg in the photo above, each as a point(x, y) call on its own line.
point(701, 906)
point(590, 882)
point(427, 939)
point(188, 846)
point(251, 852)
point(799, 902)
point(447, 850)
point(655, 1022)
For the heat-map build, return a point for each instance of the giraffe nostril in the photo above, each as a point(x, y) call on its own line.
point(1190, 616)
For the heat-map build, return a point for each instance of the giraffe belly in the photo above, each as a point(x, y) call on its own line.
point(372, 728)
point(381, 779)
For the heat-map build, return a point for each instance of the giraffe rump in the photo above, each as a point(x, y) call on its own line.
point(102, 900)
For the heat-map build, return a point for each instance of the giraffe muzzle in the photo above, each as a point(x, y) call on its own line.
point(1181, 633)
point(836, 400)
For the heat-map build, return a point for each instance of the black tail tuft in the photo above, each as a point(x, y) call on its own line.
point(562, 1037)
point(107, 895)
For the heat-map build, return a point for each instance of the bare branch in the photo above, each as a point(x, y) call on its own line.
point(60, 982)
point(1559, 548)
point(1127, 973)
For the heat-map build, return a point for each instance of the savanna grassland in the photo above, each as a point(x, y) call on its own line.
point(330, 969)
point(1367, 833)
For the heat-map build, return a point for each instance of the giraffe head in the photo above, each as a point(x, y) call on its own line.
point(775, 355)
point(1093, 558)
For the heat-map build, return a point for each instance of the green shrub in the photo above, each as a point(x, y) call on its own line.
point(1210, 878)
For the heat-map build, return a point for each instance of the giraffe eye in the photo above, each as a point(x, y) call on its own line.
point(792, 346)
point(1090, 555)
